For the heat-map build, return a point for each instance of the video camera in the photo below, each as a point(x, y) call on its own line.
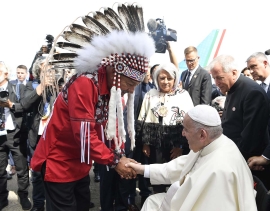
point(49, 39)
point(158, 31)
point(4, 96)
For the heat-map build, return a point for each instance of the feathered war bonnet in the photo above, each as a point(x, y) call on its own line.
point(110, 38)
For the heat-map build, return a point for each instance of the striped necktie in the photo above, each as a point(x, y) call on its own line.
point(18, 90)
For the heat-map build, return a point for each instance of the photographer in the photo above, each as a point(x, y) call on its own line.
point(13, 137)
point(44, 49)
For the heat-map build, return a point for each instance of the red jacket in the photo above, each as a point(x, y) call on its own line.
point(82, 105)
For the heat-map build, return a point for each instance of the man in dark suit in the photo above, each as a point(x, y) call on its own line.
point(13, 137)
point(32, 102)
point(196, 80)
point(246, 111)
point(260, 70)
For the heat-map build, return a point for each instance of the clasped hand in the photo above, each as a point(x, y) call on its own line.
point(126, 171)
point(257, 163)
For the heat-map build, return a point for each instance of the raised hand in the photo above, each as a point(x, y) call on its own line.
point(137, 167)
point(123, 171)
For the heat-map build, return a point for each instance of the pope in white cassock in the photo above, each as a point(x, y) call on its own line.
point(212, 177)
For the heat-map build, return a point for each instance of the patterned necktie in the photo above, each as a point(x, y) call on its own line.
point(18, 90)
point(187, 80)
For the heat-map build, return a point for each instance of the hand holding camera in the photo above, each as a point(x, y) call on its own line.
point(4, 96)
point(4, 100)
point(7, 104)
point(160, 34)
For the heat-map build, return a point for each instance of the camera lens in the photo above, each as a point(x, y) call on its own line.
point(161, 46)
point(4, 94)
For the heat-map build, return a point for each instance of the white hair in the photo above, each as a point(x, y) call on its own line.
point(7, 69)
point(227, 63)
point(36, 70)
point(258, 55)
point(169, 68)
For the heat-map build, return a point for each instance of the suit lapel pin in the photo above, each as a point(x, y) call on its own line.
point(233, 109)
point(195, 76)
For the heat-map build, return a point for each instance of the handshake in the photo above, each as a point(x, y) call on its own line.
point(128, 168)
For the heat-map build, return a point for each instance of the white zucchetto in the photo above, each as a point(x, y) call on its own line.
point(205, 114)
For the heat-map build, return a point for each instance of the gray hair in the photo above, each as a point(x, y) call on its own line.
point(213, 131)
point(4, 65)
point(169, 68)
point(8, 70)
point(227, 63)
point(37, 67)
point(259, 56)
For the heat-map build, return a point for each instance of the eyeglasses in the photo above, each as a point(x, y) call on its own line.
point(191, 60)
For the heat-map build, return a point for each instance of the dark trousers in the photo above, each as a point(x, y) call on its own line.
point(96, 167)
point(19, 154)
point(264, 176)
point(114, 191)
point(68, 196)
point(38, 193)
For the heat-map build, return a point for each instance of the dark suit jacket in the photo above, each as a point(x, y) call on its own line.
point(200, 86)
point(17, 113)
point(33, 105)
point(267, 150)
point(245, 117)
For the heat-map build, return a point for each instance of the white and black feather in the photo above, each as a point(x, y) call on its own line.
point(76, 38)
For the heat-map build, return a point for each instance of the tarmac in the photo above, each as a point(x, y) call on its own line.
point(14, 204)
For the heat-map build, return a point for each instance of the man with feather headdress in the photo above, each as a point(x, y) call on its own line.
point(112, 56)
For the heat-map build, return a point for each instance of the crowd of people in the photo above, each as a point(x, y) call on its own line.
point(189, 141)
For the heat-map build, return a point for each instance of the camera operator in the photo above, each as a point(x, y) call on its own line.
point(44, 49)
point(13, 137)
point(160, 34)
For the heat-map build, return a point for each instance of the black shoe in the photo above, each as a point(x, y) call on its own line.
point(91, 205)
point(37, 209)
point(9, 176)
point(97, 177)
point(133, 207)
point(25, 203)
point(2, 205)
